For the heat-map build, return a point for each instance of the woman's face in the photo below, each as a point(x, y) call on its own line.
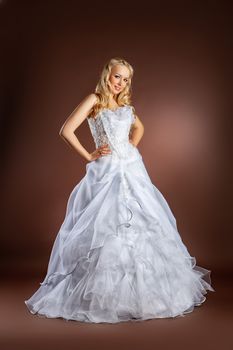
point(118, 79)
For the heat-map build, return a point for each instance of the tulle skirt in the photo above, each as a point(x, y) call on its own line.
point(118, 255)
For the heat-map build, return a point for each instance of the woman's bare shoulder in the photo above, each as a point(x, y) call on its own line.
point(90, 99)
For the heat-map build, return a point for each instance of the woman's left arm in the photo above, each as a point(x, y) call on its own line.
point(137, 131)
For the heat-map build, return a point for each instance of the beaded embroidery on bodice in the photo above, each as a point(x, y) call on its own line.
point(112, 127)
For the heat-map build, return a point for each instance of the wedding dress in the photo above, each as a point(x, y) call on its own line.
point(118, 255)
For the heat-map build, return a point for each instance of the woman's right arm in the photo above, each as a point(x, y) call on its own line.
point(75, 119)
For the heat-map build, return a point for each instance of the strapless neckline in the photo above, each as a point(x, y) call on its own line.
point(111, 110)
point(115, 109)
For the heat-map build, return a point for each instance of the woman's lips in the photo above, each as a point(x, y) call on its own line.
point(117, 88)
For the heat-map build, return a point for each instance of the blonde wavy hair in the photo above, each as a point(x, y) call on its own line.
point(103, 92)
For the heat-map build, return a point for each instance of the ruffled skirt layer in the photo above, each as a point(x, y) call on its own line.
point(118, 255)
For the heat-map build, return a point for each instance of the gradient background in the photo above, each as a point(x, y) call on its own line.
point(52, 56)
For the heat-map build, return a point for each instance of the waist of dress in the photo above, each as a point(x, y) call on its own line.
point(122, 150)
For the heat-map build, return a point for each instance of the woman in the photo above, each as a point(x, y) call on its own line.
point(118, 255)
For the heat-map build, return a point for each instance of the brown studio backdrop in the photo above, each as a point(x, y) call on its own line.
point(53, 56)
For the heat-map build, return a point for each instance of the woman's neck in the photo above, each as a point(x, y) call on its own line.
point(112, 102)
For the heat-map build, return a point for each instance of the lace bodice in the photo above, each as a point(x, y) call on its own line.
point(113, 127)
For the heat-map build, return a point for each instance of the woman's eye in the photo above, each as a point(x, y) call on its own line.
point(117, 76)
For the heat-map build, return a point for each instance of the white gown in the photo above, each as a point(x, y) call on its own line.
point(118, 255)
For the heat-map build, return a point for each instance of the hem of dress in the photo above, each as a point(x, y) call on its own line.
point(128, 318)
